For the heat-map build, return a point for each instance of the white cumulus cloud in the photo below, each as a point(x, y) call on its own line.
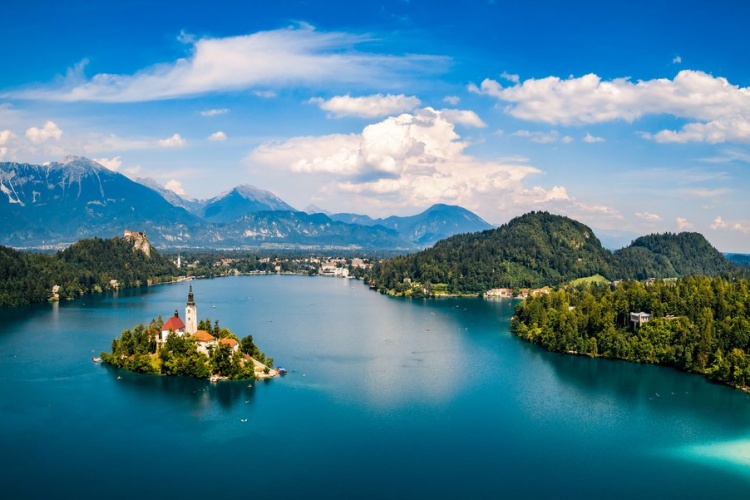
point(176, 141)
point(729, 129)
point(718, 223)
point(718, 111)
point(337, 154)
point(511, 78)
point(683, 224)
point(110, 163)
point(6, 136)
point(217, 136)
point(415, 159)
point(737, 226)
point(372, 106)
point(50, 130)
point(452, 99)
point(463, 117)
point(592, 139)
point(176, 187)
point(289, 56)
point(647, 216)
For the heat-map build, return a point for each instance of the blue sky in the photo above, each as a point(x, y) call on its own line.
point(632, 118)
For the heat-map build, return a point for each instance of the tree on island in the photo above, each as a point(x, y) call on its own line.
point(247, 346)
point(136, 350)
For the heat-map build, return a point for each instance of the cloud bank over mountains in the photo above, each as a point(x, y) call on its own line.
point(416, 159)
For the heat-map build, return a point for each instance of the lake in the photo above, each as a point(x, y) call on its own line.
point(385, 397)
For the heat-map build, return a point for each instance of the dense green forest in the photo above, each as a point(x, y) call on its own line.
point(87, 266)
point(136, 350)
point(540, 249)
point(668, 256)
point(698, 324)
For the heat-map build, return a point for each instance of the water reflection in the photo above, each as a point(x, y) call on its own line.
point(201, 394)
point(664, 391)
point(414, 355)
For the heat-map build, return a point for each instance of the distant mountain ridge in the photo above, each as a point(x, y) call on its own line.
point(424, 229)
point(76, 198)
point(240, 201)
point(189, 204)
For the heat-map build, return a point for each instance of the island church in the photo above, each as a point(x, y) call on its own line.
point(175, 324)
point(204, 341)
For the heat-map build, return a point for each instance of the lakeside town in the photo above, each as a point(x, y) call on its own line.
point(329, 266)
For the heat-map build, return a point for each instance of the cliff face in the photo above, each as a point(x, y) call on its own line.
point(140, 242)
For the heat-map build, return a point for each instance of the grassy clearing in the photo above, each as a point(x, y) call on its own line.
point(597, 278)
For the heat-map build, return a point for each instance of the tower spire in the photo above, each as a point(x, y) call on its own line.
point(191, 299)
point(191, 314)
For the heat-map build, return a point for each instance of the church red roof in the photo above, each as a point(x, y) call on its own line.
point(174, 323)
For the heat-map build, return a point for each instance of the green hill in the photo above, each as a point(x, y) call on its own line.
point(541, 249)
point(669, 256)
point(533, 250)
point(87, 266)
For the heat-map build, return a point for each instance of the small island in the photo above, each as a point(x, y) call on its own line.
point(189, 349)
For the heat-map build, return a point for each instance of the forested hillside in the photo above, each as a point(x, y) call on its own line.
point(669, 255)
point(84, 267)
point(697, 324)
point(533, 250)
point(540, 249)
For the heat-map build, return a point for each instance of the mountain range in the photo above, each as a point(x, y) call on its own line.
point(61, 202)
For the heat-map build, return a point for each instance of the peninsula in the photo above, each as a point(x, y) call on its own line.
point(190, 349)
point(696, 324)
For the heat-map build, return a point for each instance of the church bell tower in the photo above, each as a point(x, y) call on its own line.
point(191, 314)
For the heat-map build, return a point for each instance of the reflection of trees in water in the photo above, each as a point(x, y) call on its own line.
point(661, 389)
point(198, 391)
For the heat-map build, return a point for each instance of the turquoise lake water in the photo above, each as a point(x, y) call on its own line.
point(384, 398)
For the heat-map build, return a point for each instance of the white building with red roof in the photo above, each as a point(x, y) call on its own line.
point(204, 341)
point(175, 324)
point(232, 343)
